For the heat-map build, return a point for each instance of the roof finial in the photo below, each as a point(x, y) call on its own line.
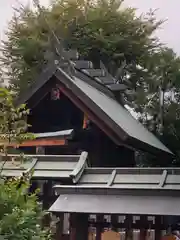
point(59, 48)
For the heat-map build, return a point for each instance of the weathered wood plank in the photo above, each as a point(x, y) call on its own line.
point(39, 142)
point(99, 228)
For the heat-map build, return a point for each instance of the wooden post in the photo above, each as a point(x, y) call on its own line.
point(114, 221)
point(66, 223)
point(143, 231)
point(59, 227)
point(72, 226)
point(47, 188)
point(99, 219)
point(79, 226)
point(157, 227)
point(82, 226)
point(129, 230)
point(40, 150)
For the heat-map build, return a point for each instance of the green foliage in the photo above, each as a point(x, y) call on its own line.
point(1, 77)
point(160, 106)
point(102, 30)
point(20, 212)
point(13, 125)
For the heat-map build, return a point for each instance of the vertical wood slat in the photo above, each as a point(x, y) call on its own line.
point(59, 227)
point(66, 223)
point(143, 232)
point(82, 226)
point(72, 223)
point(99, 229)
point(157, 226)
point(114, 221)
point(129, 230)
point(40, 150)
point(79, 226)
point(47, 188)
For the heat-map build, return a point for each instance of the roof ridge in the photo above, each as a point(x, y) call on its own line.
point(101, 75)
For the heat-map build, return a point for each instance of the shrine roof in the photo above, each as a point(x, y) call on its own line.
point(67, 167)
point(150, 191)
point(114, 180)
point(117, 204)
point(57, 134)
point(96, 90)
point(117, 117)
point(57, 138)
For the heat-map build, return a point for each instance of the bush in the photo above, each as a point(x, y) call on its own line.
point(20, 212)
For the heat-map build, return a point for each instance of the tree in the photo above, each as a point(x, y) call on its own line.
point(100, 30)
point(20, 212)
point(1, 78)
point(13, 125)
point(161, 105)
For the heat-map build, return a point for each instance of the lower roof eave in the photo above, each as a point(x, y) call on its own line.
point(115, 204)
point(136, 144)
point(120, 191)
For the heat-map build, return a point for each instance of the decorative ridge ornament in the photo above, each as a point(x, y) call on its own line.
point(59, 50)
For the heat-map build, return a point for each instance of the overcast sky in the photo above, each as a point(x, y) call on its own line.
point(170, 33)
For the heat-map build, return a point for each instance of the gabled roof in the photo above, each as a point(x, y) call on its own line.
point(91, 88)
